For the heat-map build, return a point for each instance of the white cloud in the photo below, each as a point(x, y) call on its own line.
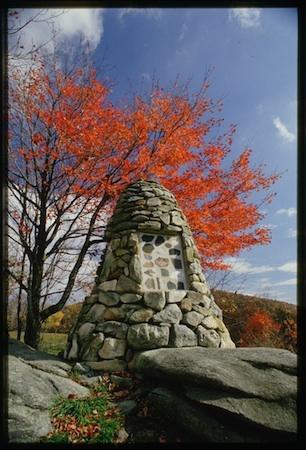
point(183, 32)
point(68, 23)
point(292, 233)
point(289, 211)
point(246, 17)
point(243, 266)
point(290, 282)
point(87, 21)
point(150, 13)
point(283, 131)
point(290, 266)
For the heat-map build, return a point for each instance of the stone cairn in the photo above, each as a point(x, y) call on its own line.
point(150, 291)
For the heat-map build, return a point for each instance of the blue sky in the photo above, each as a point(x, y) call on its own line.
point(254, 55)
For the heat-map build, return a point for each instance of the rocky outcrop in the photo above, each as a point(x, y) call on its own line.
point(150, 291)
point(225, 395)
point(34, 380)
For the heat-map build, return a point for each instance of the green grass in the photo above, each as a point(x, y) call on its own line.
point(90, 419)
point(80, 408)
point(51, 343)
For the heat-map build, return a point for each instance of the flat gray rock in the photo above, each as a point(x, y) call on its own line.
point(35, 379)
point(259, 372)
point(243, 386)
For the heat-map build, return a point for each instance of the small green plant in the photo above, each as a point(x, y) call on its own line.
point(80, 408)
point(91, 419)
point(100, 388)
point(74, 375)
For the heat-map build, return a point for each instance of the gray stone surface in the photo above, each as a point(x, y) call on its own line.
point(111, 365)
point(73, 349)
point(245, 394)
point(95, 314)
point(80, 368)
point(225, 340)
point(192, 318)
point(85, 329)
point(122, 382)
point(108, 298)
point(90, 353)
point(115, 313)
point(109, 285)
point(135, 269)
point(35, 379)
point(186, 305)
point(210, 322)
point(112, 348)
point(126, 284)
point(144, 336)
point(142, 315)
point(208, 338)
point(170, 314)
point(155, 300)
point(130, 298)
point(113, 329)
point(182, 336)
point(175, 296)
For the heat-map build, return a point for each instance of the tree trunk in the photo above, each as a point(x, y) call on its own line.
point(32, 330)
point(19, 319)
point(33, 322)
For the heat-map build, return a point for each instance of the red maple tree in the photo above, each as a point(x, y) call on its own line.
point(72, 151)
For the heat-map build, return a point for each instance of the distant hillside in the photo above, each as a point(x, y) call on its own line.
point(277, 327)
point(223, 298)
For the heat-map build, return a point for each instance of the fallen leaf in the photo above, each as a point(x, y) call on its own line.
point(121, 394)
point(162, 439)
point(144, 412)
point(122, 436)
point(71, 396)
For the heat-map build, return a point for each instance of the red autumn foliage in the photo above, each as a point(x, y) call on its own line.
point(259, 329)
point(71, 149)
point(100, 148)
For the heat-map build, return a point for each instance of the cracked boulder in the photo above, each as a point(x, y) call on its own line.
point(225, 395)
point(34, 380)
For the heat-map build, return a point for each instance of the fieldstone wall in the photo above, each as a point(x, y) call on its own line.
point(150, 291)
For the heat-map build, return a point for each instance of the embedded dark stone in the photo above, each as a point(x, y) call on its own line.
point(148, 248)
point(177, 263)
point(180, 285)
point(171, 285)
point(159, 240)
point(147, 238)
point(174, 251)
point(164, 272)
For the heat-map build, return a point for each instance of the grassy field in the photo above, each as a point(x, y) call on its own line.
point(49, 342)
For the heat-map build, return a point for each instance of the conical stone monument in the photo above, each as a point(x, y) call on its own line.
point(150, 291)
